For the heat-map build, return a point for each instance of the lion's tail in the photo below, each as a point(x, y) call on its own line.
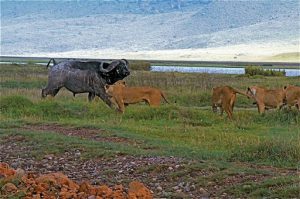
point(163, 95)
point(242, 93)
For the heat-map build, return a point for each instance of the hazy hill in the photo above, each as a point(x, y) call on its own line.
point(58, 26)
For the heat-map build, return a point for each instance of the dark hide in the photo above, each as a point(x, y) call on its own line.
point(85, 77)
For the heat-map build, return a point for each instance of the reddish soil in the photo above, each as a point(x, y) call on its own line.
point(57, 185)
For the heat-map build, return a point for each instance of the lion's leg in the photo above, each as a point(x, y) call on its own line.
point(120, 103)
point(114, 103)
point(148, 101)
point(214, 108)
point(261, 108)
point(232, 101)
point(229, 112)
point(298, 104)
point(221, 110)
point(122, 107)
point(280, 106)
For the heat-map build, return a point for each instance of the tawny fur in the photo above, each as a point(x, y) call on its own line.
point(267, 98)
point(122, 95)
point(224, 97)
point(292, 96)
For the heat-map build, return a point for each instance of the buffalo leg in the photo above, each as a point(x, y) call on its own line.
point(105, 98)
point(91, 96)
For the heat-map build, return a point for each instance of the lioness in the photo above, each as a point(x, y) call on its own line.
point(224, 97)
point(122, 95)
point(266, 98)
point(292, 96)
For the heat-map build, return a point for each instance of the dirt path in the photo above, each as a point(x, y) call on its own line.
point(86, 133)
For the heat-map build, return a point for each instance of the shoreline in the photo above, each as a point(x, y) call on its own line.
point(268, 52)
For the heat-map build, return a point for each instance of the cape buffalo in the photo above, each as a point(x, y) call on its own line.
point(85, 77)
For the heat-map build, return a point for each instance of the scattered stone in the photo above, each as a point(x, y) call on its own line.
point(159, 188)
point(246, 186)
point(203, 191)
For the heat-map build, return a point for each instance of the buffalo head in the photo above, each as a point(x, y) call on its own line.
point(116, 70)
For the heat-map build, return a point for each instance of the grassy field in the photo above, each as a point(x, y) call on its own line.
point(287, 56)
point(252, 156)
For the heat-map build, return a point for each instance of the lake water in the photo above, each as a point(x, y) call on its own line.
point(214, 70)
point(210, 70)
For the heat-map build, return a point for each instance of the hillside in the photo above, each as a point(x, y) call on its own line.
point(54, 27)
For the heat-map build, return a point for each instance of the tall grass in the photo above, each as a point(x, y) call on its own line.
point(139, 65)
point(174, 130)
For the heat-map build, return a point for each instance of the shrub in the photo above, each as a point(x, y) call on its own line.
point(139, 65)
point(258, 70)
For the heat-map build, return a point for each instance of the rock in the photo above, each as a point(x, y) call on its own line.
point(104, 191)
point(85, 187)
point(49, 157)
point(5, 170)
point(138, 190)
point(193, 187)
point(20, 173)
point(118, 192)
point(53, 185)
point(202, 190)
point(246, 186)
point(9, 188)
point(187, 189)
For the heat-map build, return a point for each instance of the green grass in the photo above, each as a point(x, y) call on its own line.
point(281, 187)
point(185, 128)
point(173, 130)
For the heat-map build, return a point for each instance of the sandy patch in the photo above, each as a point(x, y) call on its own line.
point(243, 52)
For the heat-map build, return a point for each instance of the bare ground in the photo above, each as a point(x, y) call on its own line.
point(165, 176)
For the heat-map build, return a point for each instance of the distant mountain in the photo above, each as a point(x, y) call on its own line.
point(133, 25)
